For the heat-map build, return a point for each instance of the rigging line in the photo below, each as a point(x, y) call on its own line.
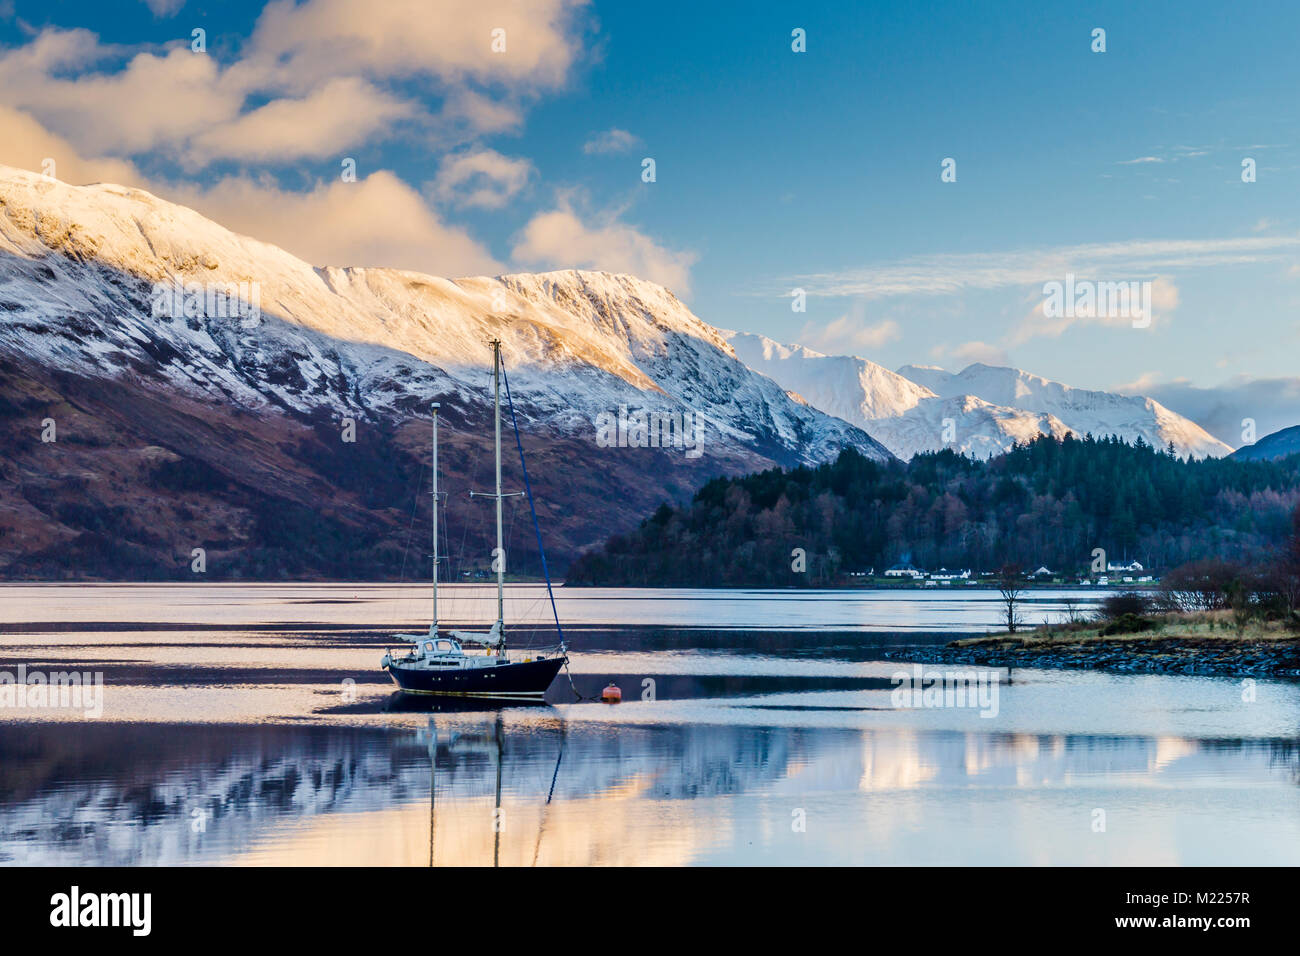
point(468, 524)
point(554, 776)
point(529, 489)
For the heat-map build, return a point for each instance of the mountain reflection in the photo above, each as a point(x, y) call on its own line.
point(522, 787)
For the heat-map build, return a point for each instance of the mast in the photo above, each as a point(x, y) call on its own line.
point(433, 628)
point(501, 553)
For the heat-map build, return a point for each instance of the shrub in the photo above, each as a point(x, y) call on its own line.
point(1128, 624)
point(1130, 603)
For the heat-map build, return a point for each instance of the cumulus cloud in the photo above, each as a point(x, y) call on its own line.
point(376, 221)
point(299, 45)
point(316, 79)
point(482, 178)
point(561, 239)
point(338, 116)
point(26, 144)
point(313, 78)
point(611, 141)
point(153, 101)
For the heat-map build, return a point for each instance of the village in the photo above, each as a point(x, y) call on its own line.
point(1117, 574)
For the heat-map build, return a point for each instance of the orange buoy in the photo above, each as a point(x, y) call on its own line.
point(611, 694)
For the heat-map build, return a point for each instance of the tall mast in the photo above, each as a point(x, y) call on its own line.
point(433, 628)
point(501, 553)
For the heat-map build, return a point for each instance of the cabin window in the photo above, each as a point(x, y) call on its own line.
point(428, 646)
point(444, 645)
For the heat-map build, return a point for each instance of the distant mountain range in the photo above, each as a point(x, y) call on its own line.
point(1277, 445)
point(982, 410)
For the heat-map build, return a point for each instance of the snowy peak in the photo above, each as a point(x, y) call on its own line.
point(981, 410)
point(1087, 410)
point(846, 386)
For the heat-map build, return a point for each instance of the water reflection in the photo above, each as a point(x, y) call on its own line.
point(526, 787)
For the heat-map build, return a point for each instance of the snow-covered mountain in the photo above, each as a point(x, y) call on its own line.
point(366, 341)
point(110, 328)
point(981, 410)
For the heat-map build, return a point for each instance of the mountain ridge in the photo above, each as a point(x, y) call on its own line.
point(1278, 444)
point(981, 410)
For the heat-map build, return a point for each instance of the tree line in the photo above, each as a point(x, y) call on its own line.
point(1046, 502)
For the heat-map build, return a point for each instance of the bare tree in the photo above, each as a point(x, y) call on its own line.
point(1288, 569)
point(1011, 587)
point(1073, 613)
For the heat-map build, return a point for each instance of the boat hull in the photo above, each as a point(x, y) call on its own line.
point(521, 680)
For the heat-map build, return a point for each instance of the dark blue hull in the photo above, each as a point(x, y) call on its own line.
point(522, 680)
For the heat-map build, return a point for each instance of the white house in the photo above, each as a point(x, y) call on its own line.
point(904, 571)
point(1131, 566)
point(944, 575)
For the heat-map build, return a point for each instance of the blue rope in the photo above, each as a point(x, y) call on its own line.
point(529, 489)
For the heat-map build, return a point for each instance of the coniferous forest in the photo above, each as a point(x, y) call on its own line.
point(1049, 502)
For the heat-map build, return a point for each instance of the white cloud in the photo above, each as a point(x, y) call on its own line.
point(333, 119)
point(611, 141)
point(164, 8)
point(1222, 410)
point(561, 239)
point(153, 101)
point(955, 273)
point(313, 79)
point(848, 332)
point(482, 178)
point(970, 352)
point(299, 45)
point(376, 221)
point(1164, 300)
point(26, 144)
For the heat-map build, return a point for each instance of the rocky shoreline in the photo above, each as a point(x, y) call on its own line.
point(1133, 655)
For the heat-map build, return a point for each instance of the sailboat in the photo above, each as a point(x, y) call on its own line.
point(437, 662)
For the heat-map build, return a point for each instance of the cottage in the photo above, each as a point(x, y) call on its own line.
point(904, 571)
point(1131, 566)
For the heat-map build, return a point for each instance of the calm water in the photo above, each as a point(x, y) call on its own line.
point(249, 725)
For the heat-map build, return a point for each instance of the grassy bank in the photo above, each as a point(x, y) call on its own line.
point(1207, 626)
point(1208, 643)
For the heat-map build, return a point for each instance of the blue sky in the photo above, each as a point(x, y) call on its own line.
point(774, 169)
